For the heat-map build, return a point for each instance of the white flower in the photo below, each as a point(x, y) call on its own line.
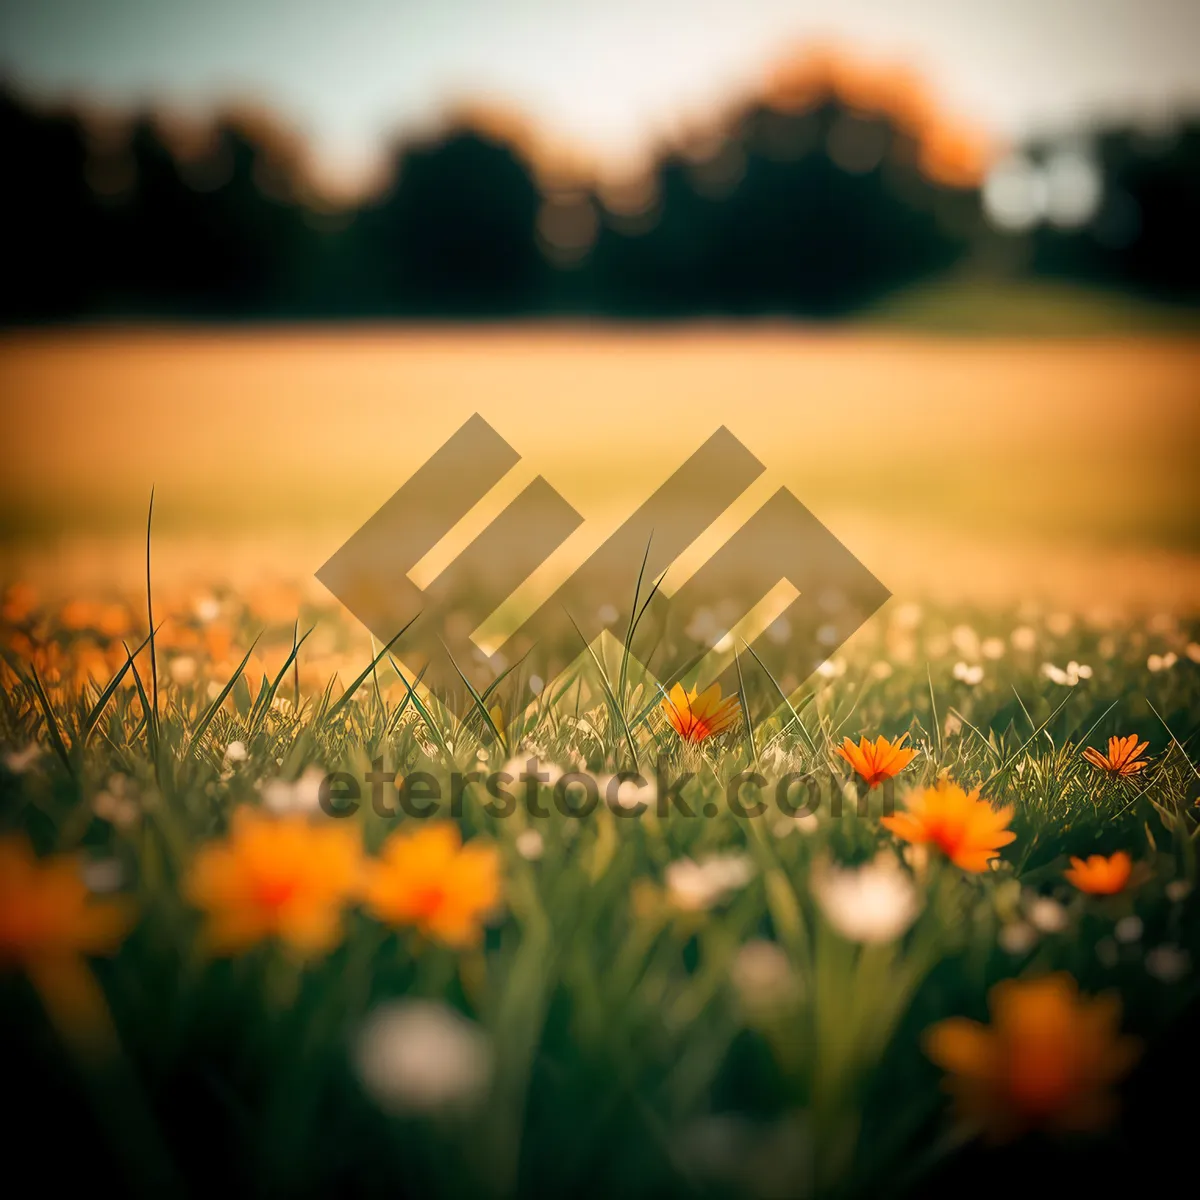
point(907, 616)
point(965, 640)
point(1023, 638)
point(302, 795)
point(1069, 676)
point(993, 647)
point(1128, 929)
point(1162, 662)
point(696, 886)
point(182, 669)
point(1177, 890)
point(207, 608)
point(415, 1056)
point(1018, 937)
point(1047, 915)
point(968, 674)
point(1193, 651)
point(530, 845)
point(117, 804)
point(536, 684)
point(235, 752)
point(516, 767)
point(881, 670)
point(831, 669)
point(800, 823)
point(626, 794)
point(704, 627)
point(779, 631)
point(103, 875)
point(873, 903)
point(19, 761)
point(762, 974)
point(1168, 964)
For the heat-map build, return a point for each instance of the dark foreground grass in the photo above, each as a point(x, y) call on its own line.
point(644, 1037)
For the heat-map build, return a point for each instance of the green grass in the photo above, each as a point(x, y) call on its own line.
point(1023, 309)
point(629, 1056)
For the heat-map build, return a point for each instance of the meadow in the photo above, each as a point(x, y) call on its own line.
point(970, 960)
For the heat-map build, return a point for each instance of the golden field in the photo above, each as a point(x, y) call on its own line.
point(961, 468)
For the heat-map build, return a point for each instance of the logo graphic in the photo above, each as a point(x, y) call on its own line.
point(815, 591)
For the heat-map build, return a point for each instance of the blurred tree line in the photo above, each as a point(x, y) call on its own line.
point(813, 199)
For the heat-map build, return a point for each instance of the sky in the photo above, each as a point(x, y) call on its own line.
point(604, 76)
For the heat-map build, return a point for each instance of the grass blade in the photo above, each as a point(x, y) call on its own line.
point(737, 661)
point(937, 725)
point(430, 721)
point(153, 712)
point(479, 702)
point(1179, 745)
point(618, 712)
point(215, 706)
point(52, 726)
point(783, 696)
point(97, 711)
point(1012, 758)
point(267, 694)
point(348, 694)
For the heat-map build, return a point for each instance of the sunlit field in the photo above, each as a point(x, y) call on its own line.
point(966, 935)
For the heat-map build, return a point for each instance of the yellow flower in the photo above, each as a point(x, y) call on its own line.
point(428, 879)
point(966, 829)
point(1048, 1059)
point(1122, 757)
point(1100, 876)
point(876, 761)
point(48, 922)
point(697, 716)
point(281, 877)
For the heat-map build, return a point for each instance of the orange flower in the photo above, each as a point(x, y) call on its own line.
point(19, 602)
point(1048, 1060)
point(282, 877)
point(46, 910)
point(696, 717)
point(1122, 758)
point(48, 922)
point(428, 879)
point(1100, 876)
point(878, 760)
point(966, 829)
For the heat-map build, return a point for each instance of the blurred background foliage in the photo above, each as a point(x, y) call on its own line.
point(822, 195)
